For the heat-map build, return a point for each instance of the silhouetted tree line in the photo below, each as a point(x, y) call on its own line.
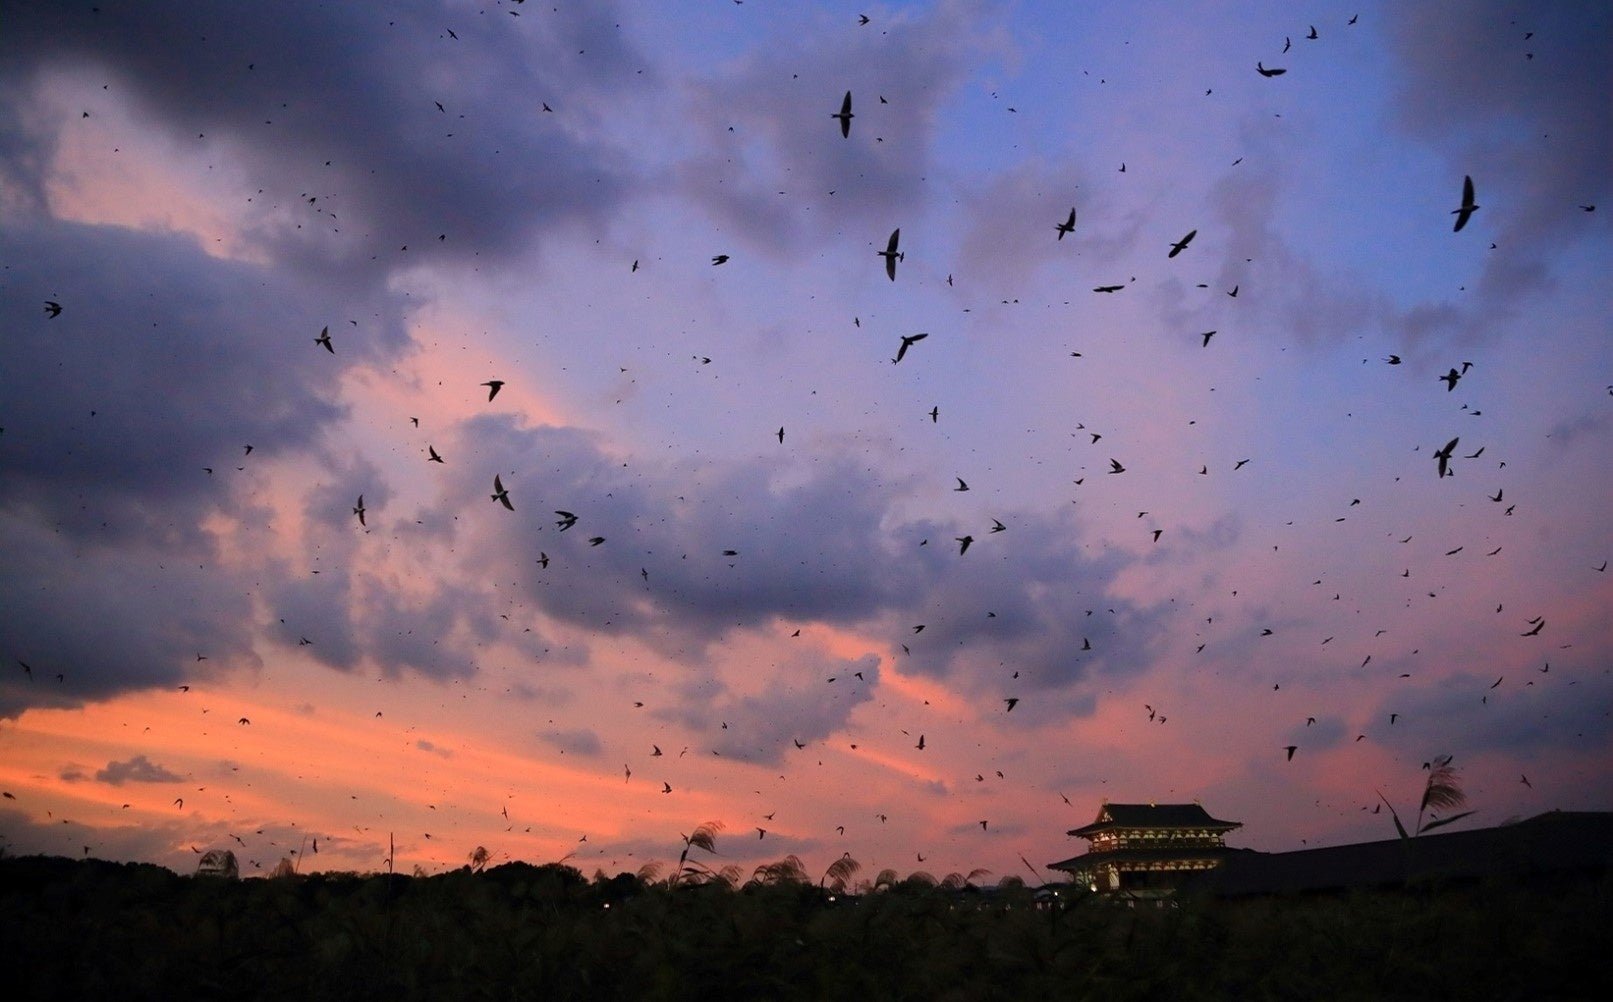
point(91, 929)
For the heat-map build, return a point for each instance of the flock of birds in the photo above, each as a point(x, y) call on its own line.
point(890, 256)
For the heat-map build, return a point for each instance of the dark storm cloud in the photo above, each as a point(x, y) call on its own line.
point(798, 704)
point(1051, 600)
point(813, 546)
point(136, 770)
point(163, 363)
point(1529, 713)
point(1538, 104)
point(807, 547)
point(1527, 118)
point(339, 102)
point(767, 126)
point(312, 613)
point(424, 635)
point(109, 619)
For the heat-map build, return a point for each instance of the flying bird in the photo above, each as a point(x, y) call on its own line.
point(1468, 206)
point(567, 520)
point(52, 309)
point(501, 495)
point(1444, 457)
point(1206, 336)
point(963, 544)
point(891, 255)
point(1274, 72)
point(358, 510)
point(432, 456)
point(908, 340)
point(1291, 749)
point(1067, 226)
point(845, 116)
point(1450, 379)
point(961, 485)
point(1115, 467)
point(1012, 702)
point(1108, 288)
point(493, 386)
point(1181, 245)
point(324, 339)
point(719, 259)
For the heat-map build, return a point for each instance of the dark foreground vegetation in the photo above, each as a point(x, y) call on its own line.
point(89, 929)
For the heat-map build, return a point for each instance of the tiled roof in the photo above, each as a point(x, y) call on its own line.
point(1153, 816)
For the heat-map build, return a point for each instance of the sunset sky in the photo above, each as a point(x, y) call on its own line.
point(203, 647)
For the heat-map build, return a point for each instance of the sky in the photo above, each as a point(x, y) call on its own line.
point(1184, 540)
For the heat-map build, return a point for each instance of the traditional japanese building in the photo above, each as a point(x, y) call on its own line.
point(1147, 850)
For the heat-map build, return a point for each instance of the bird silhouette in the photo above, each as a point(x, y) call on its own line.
point(1273, 72)
point(493, 386)
point(891, 255)
point(52, 309)
point(567, 520)
point(845, 116)
point(961, 485)
point(1181, 245)
point(501, 495)
point(432, 456)
point(963, 544)
point(1468, 206)
point(324, 339)
point(359, 509)
point(719, 259)
point(1443, 456)
point(908, 341)
point(1067, 226)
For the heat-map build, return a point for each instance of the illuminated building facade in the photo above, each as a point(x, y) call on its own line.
point(1147, 850)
